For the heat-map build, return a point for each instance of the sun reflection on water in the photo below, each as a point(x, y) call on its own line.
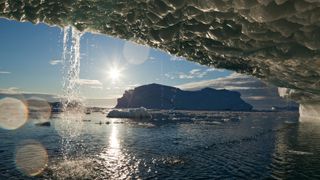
point(113, 157)
point(113, 150)
point(114, 143)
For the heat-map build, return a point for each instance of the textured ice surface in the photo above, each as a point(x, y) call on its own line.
point(275, 40)
point(136, 113)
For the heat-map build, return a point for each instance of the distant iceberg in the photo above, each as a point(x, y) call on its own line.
point(135, 113)
point(157, 96)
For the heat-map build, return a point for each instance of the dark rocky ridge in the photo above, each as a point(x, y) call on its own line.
point(156, 96)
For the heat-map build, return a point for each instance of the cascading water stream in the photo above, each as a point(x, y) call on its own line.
point(71, 65)
point(70, 125)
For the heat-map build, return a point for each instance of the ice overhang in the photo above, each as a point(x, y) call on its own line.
point(275, 40)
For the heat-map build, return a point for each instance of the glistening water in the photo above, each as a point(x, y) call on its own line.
point(71, 101)
point(190, 145)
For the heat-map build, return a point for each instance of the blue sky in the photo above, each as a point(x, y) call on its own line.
point(30, 61)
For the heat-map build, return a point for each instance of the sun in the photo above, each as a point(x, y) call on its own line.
point(114, 73)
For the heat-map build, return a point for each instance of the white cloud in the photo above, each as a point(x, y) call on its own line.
point(11, 90)
point(185, 76)
point(5, 72)
point(197, 73)
point(252, 90)
point(152, 58)
point(133, 85)
point(233, 82)
point(194, 73)
point(167, 75)
point(55, 62)
point(214, 69)
point(175, 58)
point(91, 82)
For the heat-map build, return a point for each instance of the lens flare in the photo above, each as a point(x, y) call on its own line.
point(13, 113)
point(39, 109)
point(134, 53)
point(31, 158)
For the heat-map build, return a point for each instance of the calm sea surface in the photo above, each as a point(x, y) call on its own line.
point(199, 145)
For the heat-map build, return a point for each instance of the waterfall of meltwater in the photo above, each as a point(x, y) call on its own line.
point(70, 125)
point(71, 65)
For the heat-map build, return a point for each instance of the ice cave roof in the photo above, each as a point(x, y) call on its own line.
point(275, 40)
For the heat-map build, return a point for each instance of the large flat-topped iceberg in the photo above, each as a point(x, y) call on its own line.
point(157, 96)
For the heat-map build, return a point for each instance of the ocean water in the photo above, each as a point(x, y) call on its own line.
point(185, 145)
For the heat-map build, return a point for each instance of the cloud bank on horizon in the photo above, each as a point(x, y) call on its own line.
point(253, 90)
point(197, 73)
point(5, 72)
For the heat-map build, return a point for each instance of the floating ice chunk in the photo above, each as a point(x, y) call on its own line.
point(290, 122)
point(146, 125)
point(136, 113)
point(299, 152)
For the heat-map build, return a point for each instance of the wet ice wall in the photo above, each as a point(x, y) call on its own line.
point(309, 108)
point(309, 112)
point(275, 40)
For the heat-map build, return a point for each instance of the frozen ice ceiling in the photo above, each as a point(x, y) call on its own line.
point(275, 40)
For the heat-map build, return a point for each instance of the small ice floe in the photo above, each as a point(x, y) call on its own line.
point(136, 113)
point(225, 119)
point(299, 152)
point(208, 122)
point(215, 122)
point(146, 125)
point(194, 119)
point(46, 123)
point(290, 122)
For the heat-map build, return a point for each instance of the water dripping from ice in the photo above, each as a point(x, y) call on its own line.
point(70, 125)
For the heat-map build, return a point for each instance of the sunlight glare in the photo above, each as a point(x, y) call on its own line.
point(114, 73)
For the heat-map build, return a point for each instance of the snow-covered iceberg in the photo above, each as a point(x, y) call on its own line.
point(135, 113)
